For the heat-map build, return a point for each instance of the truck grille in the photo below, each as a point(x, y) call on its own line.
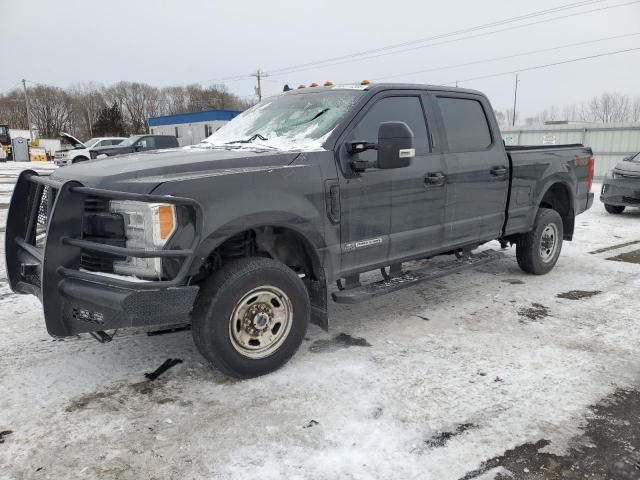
point(45, 204)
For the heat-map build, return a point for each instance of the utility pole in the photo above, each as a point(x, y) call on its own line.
point(26, 104)
point(515, 102)
point(90, 122)
point(259, 75)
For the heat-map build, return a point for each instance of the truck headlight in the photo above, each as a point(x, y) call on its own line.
point(147, 226)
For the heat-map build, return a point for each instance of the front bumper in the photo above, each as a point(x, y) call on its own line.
point(621, 191)
point(61, 162)
point(44, 244)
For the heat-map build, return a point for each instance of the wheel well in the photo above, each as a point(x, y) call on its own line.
point(558, 198)
point(79, 158)
point(283, 244)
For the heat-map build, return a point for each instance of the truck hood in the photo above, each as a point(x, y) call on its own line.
point(142, 172)
point(628, 168)
point(75, 143)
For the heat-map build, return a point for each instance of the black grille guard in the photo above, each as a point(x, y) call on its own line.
point(75, 301)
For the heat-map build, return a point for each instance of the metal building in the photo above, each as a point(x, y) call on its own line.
point(191, 128)
point(610, 142)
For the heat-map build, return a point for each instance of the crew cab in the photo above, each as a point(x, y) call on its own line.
point(621, 187)
point(242, 235)
point(79, 151)
point(136, 143)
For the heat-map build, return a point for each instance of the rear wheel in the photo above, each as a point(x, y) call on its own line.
point(250, 317)
point(614, 209)
point(538, 250)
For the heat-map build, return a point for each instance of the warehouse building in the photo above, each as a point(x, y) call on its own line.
point(610, 142)
point(191, 128)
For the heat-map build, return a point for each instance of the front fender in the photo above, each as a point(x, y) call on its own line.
point(290, 196)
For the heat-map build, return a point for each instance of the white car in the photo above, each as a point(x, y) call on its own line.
point(79, 151)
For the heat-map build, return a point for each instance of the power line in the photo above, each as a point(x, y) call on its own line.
point(526, 69)
point(505, 57)
point(443, 35)
point(15, 86)
point(26, 105)
point(398, 45)
point(323, 64)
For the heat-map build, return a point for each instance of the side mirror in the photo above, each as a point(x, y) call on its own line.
point(395, 145)
point(137, 147)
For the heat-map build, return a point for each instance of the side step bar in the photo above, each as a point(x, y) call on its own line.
point(365, 292)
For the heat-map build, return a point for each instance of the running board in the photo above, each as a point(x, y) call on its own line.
point(365, 292)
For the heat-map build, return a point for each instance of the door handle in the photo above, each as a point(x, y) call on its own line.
point(498, 171)
point(435, 179)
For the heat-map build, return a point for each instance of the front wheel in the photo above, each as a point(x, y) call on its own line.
point(250, 317)
point(79, 159)
point(538, 250)
point(614, 209)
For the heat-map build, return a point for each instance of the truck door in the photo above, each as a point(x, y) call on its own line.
point(396, 213)
point(477, 169)
point(365, 209)
point(418, 192)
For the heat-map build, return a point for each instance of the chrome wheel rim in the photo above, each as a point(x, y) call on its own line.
point(260, 322)
point(548, 243)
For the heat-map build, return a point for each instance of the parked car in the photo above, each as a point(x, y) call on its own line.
point(242, 235)
point(136, 143)
point(621, 187)
point(79, 151)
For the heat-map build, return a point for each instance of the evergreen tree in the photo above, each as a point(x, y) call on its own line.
point(110, 122)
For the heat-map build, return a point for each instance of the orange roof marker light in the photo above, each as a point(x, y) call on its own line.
point(328, 83)
point(365, 82)
point(314, 84)
point(301, 86)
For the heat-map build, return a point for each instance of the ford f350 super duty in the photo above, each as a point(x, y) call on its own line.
point(241, 235)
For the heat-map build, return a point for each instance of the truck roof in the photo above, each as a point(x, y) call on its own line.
point(374, 87)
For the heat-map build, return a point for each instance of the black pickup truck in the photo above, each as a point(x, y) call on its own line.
point(135, 143)
point(241, 235)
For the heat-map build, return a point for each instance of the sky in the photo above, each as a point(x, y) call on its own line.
point(67, 42)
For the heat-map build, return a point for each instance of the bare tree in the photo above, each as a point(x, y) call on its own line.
point(138, 101)
point(12, 109)
point(77, 109)
point(610, 107)
point(88, 100)
point(50, 110)
point(634, 110)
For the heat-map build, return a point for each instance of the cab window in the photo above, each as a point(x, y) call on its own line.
point(392, 109)
point(147, 143)
point(465, 124)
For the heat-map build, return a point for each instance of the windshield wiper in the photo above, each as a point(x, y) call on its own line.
point(324, 110)
point(253, 138)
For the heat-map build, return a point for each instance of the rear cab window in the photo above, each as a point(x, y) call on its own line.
point(167, 142)
point(465, 124)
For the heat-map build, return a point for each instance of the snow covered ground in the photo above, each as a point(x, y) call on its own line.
point(450, 374)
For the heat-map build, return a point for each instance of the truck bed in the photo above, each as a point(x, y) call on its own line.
point(534, 169)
